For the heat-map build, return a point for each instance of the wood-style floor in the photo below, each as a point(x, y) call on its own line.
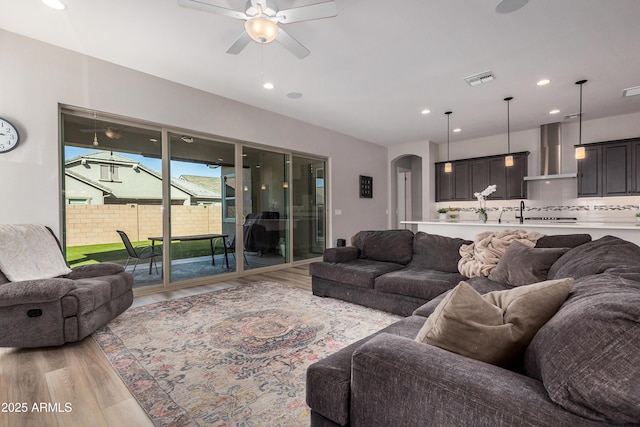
point(74, 385)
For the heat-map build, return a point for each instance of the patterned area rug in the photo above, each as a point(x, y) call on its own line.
point(232, 357)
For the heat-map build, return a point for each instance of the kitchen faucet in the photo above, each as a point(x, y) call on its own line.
point(521, 217)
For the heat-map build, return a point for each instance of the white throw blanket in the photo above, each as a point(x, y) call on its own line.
point(482, 256)
point(30, 252)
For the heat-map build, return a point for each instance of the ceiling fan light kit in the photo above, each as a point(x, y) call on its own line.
point(261, 29)
point(261, 21)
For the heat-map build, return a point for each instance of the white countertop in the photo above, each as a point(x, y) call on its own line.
point(536, 224)
point(469, 229)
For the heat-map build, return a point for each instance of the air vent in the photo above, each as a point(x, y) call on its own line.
point(572, 116)
point(631, 91)
point(476, 79)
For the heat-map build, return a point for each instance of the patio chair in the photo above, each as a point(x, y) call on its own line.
point(140, 252)
point(231, 247)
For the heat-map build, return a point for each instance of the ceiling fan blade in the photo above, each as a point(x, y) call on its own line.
point(292, 44)
point(307, 13)
point(509, 6)
point(208, 7)
point(240, 43)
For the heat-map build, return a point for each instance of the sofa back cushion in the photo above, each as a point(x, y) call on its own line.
point(608, 253)
point(588, 354)
point(385, 245)
point(563, 240)
point(521, 265)
point(435, 252)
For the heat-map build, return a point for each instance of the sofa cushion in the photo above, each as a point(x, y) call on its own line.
point(495, 327)
point(417, 282)
point(341, 254)
point(360, 272)
point(329, 380)
point(588, 354)
point(608, 253)
point(386, 245)
point(435, 252)
point(563, 240)
point(521, 265)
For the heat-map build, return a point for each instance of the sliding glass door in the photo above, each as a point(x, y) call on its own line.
point(202, 235)
point(309, 205)
point(176, 206)
point(112, 189)
point(265, 192)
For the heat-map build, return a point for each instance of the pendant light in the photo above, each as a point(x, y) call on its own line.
point(95, 131)
point(447, 166)
point(580, 151)
point(508, 160)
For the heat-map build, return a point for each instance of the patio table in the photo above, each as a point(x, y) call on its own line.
point(210, 237)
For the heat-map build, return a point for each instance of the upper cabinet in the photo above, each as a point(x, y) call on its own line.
point(474, 175)
point(610, 169)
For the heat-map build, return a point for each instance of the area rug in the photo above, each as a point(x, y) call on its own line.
point(236, 357)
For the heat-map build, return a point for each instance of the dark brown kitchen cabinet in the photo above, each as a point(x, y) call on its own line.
point(590, 172)
point(452, 185)
point(497, 177)
point(616, 169)
point(443, 184)
point(470, 176)
point(610, 169)
point(516, 187)
point(635, 166)
point(461, 181)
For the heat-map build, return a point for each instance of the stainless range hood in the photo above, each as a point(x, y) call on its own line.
point(550, 154)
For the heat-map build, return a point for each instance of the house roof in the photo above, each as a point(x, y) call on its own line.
point(377, 64)
point(108, 157)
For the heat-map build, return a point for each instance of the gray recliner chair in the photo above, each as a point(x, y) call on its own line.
point(52, 311)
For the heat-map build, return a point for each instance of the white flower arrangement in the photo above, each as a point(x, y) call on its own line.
point(482, 197)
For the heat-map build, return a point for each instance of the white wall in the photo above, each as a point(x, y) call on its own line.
point(37, 77)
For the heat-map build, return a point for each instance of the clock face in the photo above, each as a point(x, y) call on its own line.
point(9, 136)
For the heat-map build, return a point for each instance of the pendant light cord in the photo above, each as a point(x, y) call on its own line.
point(580, 82)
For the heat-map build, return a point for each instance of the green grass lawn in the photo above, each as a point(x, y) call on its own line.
point(115, 252)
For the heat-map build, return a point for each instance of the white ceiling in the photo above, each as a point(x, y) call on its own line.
point(375, 66)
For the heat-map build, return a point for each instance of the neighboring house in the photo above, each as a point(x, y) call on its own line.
point(105, 177)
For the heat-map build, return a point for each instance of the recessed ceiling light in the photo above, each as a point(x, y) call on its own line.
point(55, 4)
point(554, 111)
point(268, 85)
point(457, 130)
point(543, 82)
point(425, 112)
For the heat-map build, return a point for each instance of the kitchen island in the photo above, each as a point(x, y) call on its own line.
point(469, 229)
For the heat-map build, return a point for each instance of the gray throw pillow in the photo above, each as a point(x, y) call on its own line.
point(521, 265)
point(495, 327)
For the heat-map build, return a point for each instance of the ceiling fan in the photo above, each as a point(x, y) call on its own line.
point(262, 18)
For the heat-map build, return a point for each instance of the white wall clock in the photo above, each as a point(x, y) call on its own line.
point(9, 136)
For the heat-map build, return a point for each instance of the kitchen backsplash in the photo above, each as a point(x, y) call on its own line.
point(553, 198)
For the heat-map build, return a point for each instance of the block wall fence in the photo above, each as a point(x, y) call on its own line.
point(97, 224)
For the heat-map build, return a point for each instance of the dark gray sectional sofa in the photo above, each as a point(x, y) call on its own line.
point(582, 368)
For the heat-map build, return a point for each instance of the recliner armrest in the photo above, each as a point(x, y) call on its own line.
point(34, 291)
point(396, 380)
point(88, 271)
point(341, 254)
